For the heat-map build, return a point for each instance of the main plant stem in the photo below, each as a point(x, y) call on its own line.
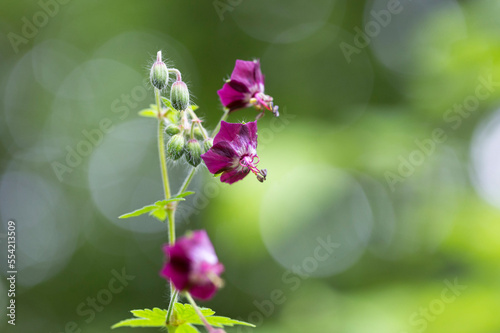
point(171, 306)
point(166, 188)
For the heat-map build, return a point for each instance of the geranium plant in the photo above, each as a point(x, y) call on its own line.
point(230, 151)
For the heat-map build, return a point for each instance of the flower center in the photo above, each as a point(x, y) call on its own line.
point(251, 162)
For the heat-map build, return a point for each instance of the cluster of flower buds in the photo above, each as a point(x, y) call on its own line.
point(187, 141)
point(188, 137)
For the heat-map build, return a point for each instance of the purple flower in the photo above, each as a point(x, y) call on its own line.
point(234, 153)
point(193, 265)
point(246, 88)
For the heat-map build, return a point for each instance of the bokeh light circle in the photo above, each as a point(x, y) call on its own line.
point(318, 218)
point(396, 34)
point(124, 175)
point(485, 159)
point(99, 93)
point(52, 60)
point(46, 236)
point(319, 77)
point(284, 21)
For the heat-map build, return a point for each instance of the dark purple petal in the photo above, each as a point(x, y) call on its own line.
point(227, 132)
point(239, 87)
point(248, 133)
point(248, 73)
point(230, 95)
point(231, 144)
point(220, 157)
point(193, 265)
point(239, 135)
point(246, 81)
point(205, 291)
point(177, 270)
point(234, 175)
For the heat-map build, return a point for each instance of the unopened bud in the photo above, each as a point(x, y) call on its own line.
point(159, 73)
point(175, 146)
point(197, 133)
point(179, 96)
point(172, 129)
point(207, 144)
point(193, 152)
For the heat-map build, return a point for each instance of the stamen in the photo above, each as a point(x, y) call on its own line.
point(261, 101)
point(251, 164)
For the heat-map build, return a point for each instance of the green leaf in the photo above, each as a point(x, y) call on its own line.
point(144, 318)
point(157, 209)
point(137, 212)
point(220, 321)
point(185, 317)
point(186, 328)
point(188, 314)
point(184, 194)
point(149, 113)
point(164, 202)
point(160, 213)
point(167, 102)
point(194, 107)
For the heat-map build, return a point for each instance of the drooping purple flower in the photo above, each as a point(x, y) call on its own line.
point(234, 153)
point(246, 88)
point(193, 265)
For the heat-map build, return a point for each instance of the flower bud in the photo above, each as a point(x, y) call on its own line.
point(197, 133)
point(159, 73)
point(207, 144)
point(172, 129)
point(193, 152)
point(179, 96)
point(175, 146)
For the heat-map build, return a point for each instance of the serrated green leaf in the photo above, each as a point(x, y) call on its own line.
point(188, 314)
point(167, 102)
point(137, 212)
point(186, 328)
point(220, 321)
point(163, 203)
point(185, 317)
point(160, 213)
point(150, 113)
point(184, 194)
point(144, 318)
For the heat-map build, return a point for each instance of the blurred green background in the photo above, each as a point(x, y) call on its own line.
point(388, 147)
